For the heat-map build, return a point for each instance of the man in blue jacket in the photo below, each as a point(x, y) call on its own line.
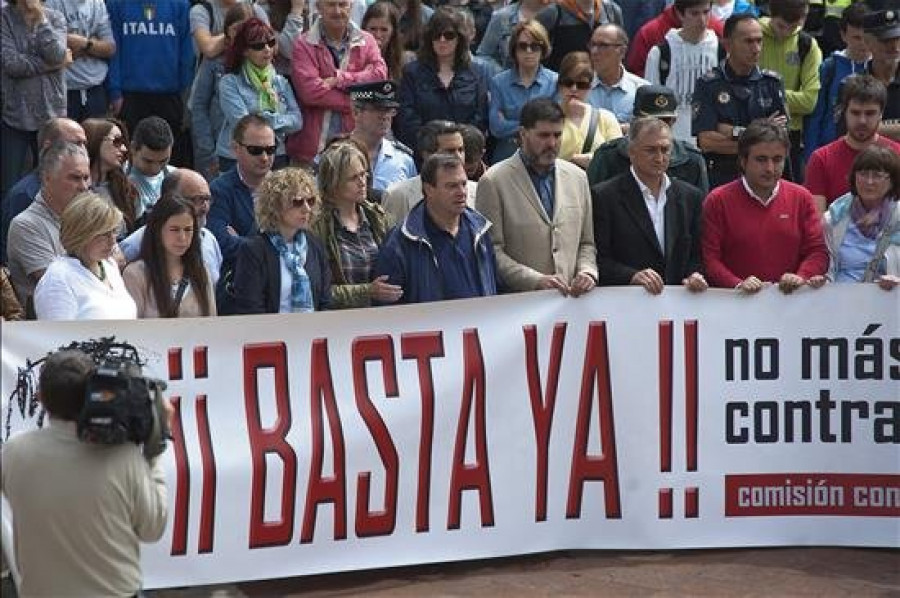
point(442, 250)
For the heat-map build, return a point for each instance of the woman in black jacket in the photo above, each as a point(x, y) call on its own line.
point(285, 204)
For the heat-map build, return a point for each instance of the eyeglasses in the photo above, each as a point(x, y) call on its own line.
point(260, 46)
point(117, 141)
point(529, 47)
point(604, 45)
point(874, 176)
point(200, 199)
point(257, 150)
point(580, 85)
point(448, 35)
point(360, 177)
point(299, 202)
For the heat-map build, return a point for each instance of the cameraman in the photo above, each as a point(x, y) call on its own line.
point(79, 510)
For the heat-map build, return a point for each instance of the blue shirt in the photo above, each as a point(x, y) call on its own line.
point(392, 165)
point(617, 98)
point(508, 95)
point(854, 255)
point(458, 269)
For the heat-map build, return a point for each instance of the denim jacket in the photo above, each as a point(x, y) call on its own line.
point(238, 98)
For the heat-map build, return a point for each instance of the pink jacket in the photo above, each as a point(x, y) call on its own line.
point(311, 65)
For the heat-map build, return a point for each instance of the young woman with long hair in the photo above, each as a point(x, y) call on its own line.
point(107, 146)
point(382, 20)
point(170, 280)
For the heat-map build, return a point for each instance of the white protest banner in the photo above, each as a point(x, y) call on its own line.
point(517, 424)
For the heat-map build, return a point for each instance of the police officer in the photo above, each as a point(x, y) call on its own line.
point(685, 163)
point(882, 29)
point(732, 95)
point(374, 107)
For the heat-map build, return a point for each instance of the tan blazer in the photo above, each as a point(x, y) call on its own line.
point(527, 243)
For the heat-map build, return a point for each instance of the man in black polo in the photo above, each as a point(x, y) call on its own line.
point(882, 29)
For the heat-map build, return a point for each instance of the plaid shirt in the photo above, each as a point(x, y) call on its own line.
point(358, 250)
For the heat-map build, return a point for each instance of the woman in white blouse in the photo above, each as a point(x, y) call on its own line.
point(85, 284)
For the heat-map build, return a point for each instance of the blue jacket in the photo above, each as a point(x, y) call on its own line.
point(207, 119)
point(407, 257)
point(423, 98)
point(820, 127)
point(154, 47)
point(238, 99)
point(508, 95)
point(232, 206)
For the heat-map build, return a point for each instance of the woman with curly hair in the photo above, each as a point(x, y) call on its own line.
point(170, 280)
point(107, 146)
point(285, 204)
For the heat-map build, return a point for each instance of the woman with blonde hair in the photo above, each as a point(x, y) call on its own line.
point(85, 284)
point(170, 279)
point(352, 228)
point(585, 128)
point(282, 268)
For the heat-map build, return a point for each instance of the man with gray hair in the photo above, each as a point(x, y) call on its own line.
point(34, 234)
point(646, 225)
point(24, 191)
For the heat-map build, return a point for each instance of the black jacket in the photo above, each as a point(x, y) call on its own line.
point(626, 241)
point(257, 275)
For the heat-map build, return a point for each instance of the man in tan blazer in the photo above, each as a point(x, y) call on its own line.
point(540, 209)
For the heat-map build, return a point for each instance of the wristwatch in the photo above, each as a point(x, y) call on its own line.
point(736, 132)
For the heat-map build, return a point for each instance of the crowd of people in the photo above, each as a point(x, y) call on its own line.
point(176, 158)
point(231, 157)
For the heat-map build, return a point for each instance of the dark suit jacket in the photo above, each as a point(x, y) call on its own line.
point(257, 276)
point(626, 241)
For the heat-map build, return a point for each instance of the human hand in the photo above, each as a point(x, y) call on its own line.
point(384, 291)
point(581, 284)
point(888, 281)
point(817, 281)
point(230, 230)
point(779, 118)
point(751, 285)
point(650, 280)
point(790, 282)
point(695, 283)
point(329, 82)
point(549, 281)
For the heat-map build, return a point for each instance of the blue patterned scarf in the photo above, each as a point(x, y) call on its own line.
point(294, 256)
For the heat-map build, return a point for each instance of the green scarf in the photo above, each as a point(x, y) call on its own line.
point(263, 81)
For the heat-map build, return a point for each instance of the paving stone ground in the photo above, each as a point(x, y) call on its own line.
point(815, 572)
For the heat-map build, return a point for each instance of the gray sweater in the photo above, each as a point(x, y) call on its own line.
point(34, 87)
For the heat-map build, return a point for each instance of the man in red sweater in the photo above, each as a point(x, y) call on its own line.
point(761, 229)
point(863, 99)
point(653, 32)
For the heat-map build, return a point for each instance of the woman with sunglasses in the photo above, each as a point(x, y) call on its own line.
point(283, 268)
point(526, 80)
point(441, 84)
point(585, 128)
point(352, 229)
point(251, 85)
point(107, 146)
point(862, 228)
point(85, 284)
point(170, 280)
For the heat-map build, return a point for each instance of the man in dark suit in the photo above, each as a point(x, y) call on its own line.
point(646, 225)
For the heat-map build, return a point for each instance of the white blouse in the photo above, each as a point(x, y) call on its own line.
point(69, 291)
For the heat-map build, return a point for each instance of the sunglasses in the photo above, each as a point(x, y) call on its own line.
point(257, 150)
point(260, 46)
point(117, 141)
point(529, 47)
point(299, 202)
point(580, 85)
point(447, 36)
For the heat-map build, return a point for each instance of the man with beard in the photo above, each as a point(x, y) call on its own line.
point(863, 100)
point(760, 229)
point(540, 209)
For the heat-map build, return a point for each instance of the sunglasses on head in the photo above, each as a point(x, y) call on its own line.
point(580, 85)
point(529, 47)
point(299, 202)
point(118, 141)
point(260, 46)
point(257, 150)
point(447, 35)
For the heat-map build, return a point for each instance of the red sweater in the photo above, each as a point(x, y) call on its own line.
point(652, 33)
point(742, 238)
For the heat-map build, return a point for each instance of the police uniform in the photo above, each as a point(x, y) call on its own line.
point(721, 96)
point(885, 24)
point(394, 161)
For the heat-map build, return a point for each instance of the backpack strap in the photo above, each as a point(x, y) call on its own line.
point(665, 60)
point(592, 128)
